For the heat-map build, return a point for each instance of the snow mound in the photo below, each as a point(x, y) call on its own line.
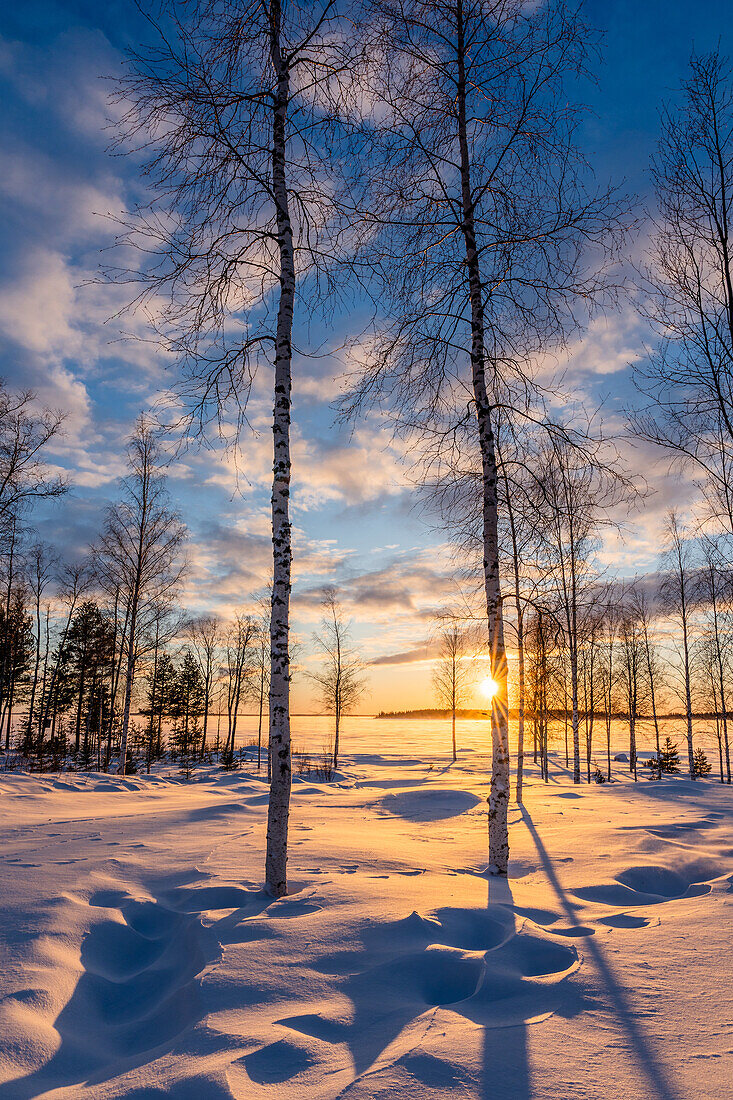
point(429, 805)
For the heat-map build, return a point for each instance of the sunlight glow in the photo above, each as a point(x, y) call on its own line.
point(489, 687)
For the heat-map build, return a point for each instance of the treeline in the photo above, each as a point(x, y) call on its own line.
point(591, 651)
point(98, 663)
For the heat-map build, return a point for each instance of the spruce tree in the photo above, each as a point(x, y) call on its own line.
point(670, 758)
point(700, 766)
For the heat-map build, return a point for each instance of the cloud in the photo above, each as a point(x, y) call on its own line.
point(37, 304)
point(369, 467)
point(608, 345)
point(425, 652)
point(67, 78)
point(56, 198)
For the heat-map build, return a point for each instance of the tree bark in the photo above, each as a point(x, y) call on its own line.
point(499, 796)
point(279, 805)
point(520, 642)
point(721, 676)
point(686, 652)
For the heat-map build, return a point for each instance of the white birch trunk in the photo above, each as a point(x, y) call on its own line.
point(686, 650)
point(499, 796)
point(520, 642)
point(279, 806)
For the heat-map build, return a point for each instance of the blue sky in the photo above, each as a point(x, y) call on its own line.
point(353, 505)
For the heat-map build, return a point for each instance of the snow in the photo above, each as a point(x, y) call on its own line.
point(143, 960)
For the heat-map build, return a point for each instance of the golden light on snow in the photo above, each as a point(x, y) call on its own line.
point(489, 687)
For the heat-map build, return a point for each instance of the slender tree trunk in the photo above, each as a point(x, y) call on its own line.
point(9, 716)
point(499, 796)
point(129, 679)
point(52, 687)
point(590, 715)
point(36, 667)
point(453, 702)
point(520, 722)
point(262, 702)
point(609, 715)
point(6, 649)
point(688, 694)
point(279, 807)
point(653, 699)
point(718, 726)
point(567, 750)
point(633, 672)
point(520, 641)
point(721, 677)
point(79, 707)
point(207, 692)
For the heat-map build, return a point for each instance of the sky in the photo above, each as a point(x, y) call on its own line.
point(355, 515)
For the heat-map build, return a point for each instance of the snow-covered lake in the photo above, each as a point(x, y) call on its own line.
point(142, 960)
point(397, 736)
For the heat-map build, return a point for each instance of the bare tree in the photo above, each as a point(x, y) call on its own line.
point(139, 552)
point(244, 161)
point(24, 433)
point(689, 285)
point(258, 684)
point(574, 491)
point(608, 670)
point(340, 677)
point(590, 660)
point(543, 635)
point(651, 662)
point(40, 567)
point(479, 222)
point(452, 675)
point(240, 641)
point(631, 673)
point(716, 590)
point(75, 581)
point(676, 595)
point(205, 637)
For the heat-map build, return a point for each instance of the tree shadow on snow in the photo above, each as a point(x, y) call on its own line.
point(659, 1085)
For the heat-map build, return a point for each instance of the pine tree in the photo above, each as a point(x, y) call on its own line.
point(700, 764)
point(186, 711)
point(670, 758)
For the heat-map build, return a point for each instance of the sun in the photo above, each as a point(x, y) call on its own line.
point(489, 687)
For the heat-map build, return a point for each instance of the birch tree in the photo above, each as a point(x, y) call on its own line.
point(609, 655)
point(651, 663)
point(632, 671)
point(25, 433)
point(240, 641)
point(243, 155)
point(340, 675)
point(451, 672)
point(40, 567)
point(139, 553)
point(205, 636)
point(677, 598)
point(689, 285)
point(716, 586)
point(568, 502)
point(478, 221)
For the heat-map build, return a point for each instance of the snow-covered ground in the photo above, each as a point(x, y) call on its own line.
point(142, 959)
